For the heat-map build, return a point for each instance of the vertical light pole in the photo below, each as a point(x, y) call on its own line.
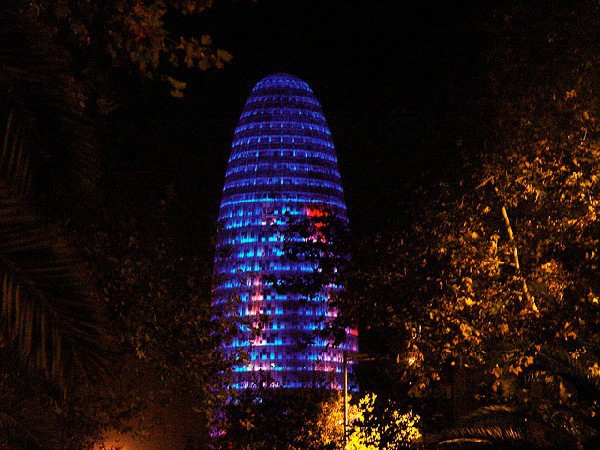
point(345, 360)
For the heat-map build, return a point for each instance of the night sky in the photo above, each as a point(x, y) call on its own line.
point(394, 80)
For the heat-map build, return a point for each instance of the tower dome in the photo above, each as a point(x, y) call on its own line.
point(282, 164)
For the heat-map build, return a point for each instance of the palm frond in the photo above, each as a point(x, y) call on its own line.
point(14, 159)
point(486, 434)
point(47, 310)
point(492, 411)
point(573, 371)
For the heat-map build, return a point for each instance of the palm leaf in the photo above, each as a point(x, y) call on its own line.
point(492, 411)
point(486, 426)
point(484, 434)
point(48, 311)
point(516, 425)
point(573, 371)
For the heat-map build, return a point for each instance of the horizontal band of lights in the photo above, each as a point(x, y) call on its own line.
point(264, 169)
point(282, 165)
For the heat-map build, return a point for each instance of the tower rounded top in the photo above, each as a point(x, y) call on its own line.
point(282, 83)
point(282, 79)
point(281, 97)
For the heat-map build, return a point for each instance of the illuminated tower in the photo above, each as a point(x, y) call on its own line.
point(282, 164)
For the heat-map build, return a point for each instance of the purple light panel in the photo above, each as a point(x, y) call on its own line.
point(282, 162)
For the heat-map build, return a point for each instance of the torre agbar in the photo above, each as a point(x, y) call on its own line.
point(282, 165)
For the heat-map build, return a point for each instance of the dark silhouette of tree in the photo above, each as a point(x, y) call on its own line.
point(562, 391)
point(50, 314)
point(503, 261)
point(322, 239)
point(127, 37)
point(63, 62)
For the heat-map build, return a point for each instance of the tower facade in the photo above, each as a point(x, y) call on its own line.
point(282, 166)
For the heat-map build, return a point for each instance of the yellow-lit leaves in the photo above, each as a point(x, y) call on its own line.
point(247, 424)
point(371, 428)
point(177, 87)
point(466, 330)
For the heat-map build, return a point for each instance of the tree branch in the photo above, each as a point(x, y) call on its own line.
point(530, 305)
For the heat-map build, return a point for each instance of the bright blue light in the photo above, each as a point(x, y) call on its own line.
point(282, 160)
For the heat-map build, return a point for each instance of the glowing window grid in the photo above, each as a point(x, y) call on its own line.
point(282, 161)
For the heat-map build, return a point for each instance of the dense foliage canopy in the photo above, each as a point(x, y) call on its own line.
point(502, 261)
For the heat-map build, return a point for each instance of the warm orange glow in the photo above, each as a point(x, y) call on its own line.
point(316, 212)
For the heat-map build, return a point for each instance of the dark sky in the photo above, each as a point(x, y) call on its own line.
point(393, 78)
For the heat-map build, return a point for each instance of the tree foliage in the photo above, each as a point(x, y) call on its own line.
point(133, 37)
point(158, 291)
point(380, 425)
point(282, 418)
point(503, 261)
point(52, 326)
point(555, 415)
point(58, 59)
point(49, 312)
point(314, 419)
point(322, 239)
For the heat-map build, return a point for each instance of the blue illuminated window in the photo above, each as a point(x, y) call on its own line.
point(282, 161)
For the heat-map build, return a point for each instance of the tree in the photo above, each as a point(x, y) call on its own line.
point(59, 62)
point(322, 239)
point(314, 419)
point(503, 262)
point(127, 37)
point(281, 418)
point(52, 326)
point(380, 425)
point(157, 289)
point(561, 387)
point(49, 312)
